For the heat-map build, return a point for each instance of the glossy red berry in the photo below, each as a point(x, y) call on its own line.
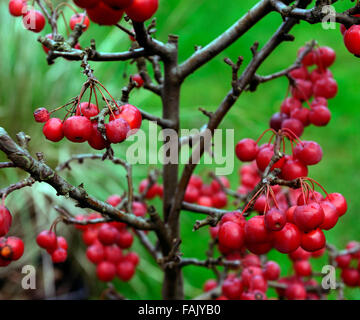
point(87, 110)
point(352, 39)
point(232, 288)
point(53, 129)
point(114, 200)
point(326, 87)
point(302, 90)
point(246, 150)
point(96, 139)
point(41, 115)
point(339, 201)
point(105, 271)
point(343, 261)
point(300, 73)
point(219, 200)
point(152, 192)
point(77, 129)
point(102, 14)
point(308, 217)
point(191, 194)
point(125, 270)
point(293, 169)
point(299, 254)
point(125, 240)
point(47, 240)
point(295, 125)
point(301, 114)
point(90, 235)
point(275, 219)
point(272, 270)
point(17, 7)
point(308, 152)
point(11, 248)
point(142, 10)
point(133, 258)
point(231, 235)
point(331, 215)
point(287, 239)
point(113, 254)
point(277, 120)
point(324, 57)
point(79, 18)
point(318, 74)
point(139, 81)
point(295, 291)
point(302, 268)
point(210, 285)
point(62, 243)
point(118, 4)
point(196, 181)
point(95, 253)
point(34, 21)
point(117, 130)
point(351, 277)
point(139, 208)
point(108, 235)
point(5, 220)
point(130, 114)
point(264, 156)
point(86, 4)
point(313, 240)
point(59, 255)
point(309, 58)
point(320, 116)
point(256, 231)
point(205, 201)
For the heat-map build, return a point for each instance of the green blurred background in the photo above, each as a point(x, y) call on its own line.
point(27, 82)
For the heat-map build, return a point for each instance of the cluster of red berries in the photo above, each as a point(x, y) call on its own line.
point(11, 248)
point(352, 38)
point(107, 241)
point(319, 83)
point(295, 288)
point(151, 191)
point(349, 264)
point(207, 195)
point(55, 245)
point(109, 12)
point(33, 20)
point(80, 128)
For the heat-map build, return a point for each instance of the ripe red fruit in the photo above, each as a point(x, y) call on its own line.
point(256, 232)
point(331, 215)
point(309, 58)
point(77, 129)
point(130, 114)
point(258, 283)
point(251, 260)
point(79, 18)
point(219, 200)
point(343, 261)
point(250, 272)
point(114, 200)
point(246, 150)
point(272, 271)
point(139, 209)
point(210, 285)
point(302, 89)
point(133, 258)
point(142, 10)
point(302, 268)
point(47, 240)
point(264, 156)
point(351, 277)
point(125, 240)
point(152, 192)
point(293, 169)
point(290, 104)
point(17, 7)
point(301, 114)
point(87, 110)
point(339, 201)
point(259, 248)
point(236, 217)
point(41, 115)
point(34, 21)
point(86, 4)
point(102, 14)
point(352, 39)
point(95, 253)
point(318, 74)
point(275, 219)
point(139, 81)
point(299, 254)
point(59, 255)
point(295, 125)
point(320, 116)
point(290, 214)
point(277, 120)
point(313, 240)
point(232, 288)
point(231, 235)
point(191, 194)
point(108, 235)
point(300, 73)
point(196, 181)
point(11, 248)
point(5, 220)
point(117, 130)
point(125, 270)
point(205, 201)
point(324, 57)
point(308, 152)
point(118, 4)
point(53, 129)
point(287, 239)
point(62, 243)
point(113, 254)
point(105, 271)
point(295, 291)
point(326, 87)
point(96, 139)
point(308, 217)
point(90, 235)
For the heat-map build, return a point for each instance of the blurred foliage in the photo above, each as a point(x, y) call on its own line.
point(27, 82)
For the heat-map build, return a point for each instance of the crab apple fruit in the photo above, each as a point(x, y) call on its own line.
point(133, 258)
point(17, 7)
point(352, 39)
point(351, 245)
point(86, 4)
point(77, 129)
point(196, 181)
point(301, 114)
point(130, 114)
point(295, 291)
point(219, 200)
point(216, 186)
point(87, 110)
point(232, 288)
point(250, 272)
point(320, 116)
point(139, 209)
point(339, 201)
point(34, 21)
point(274, 219)
point(300, 73)
point(210, 285)
point(125, 240)
point(5, 220)
point(293, 169)
point(259, 248)
point(113, 254)
point(191, 194)
point(319, 101)
point(47, 240)
point(79, 18)
point(90, 235)
point(351, 277)
point(41, 115)
point(258, 283)
point(287, 239)
point(256, 231)
point(308, 152)
point(96, 140)
point(326, 87)
point(271, 271)
point(125, 270)
point(302, 268)
point(95, 253)
point(331, 215)
point(62, 243)
point(290, 104)
point(343, 261)
point(324, 57)
point(152, 192)
point(114, 200)
point(302, 89)
point(236, 217)
point(295, 125)
point(117, 130)
point(299, 254)
point(251, 260)
point(102, 14)
point(205, 201)
point(260, 204)
point(318, 74)
point(309, 58)
point(139, 81)
point(313, 240)
point(59, 255)
point(231, 235)
point(277, 120)
point(264, 156)
point(107, 234)
point(246, 150)
point(142, 10)
point(290, 214)
point(53, 129)
point(309, 216)
point(11, 248)
point(118, 4)
point(105, 271)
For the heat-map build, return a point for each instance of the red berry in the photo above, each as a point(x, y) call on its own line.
point(142, 10)
point(300, 73)
point(259, 248)
point(130, 114)
point(139, 209)
point(105, 271)
point(290, 104)
point(246, 150)
point(331, 215)
point(264, 156)
point(319, 101)
point(125, 270)
point(118, 4)
point(41, 115)
point(59, 255)
point(86, 4)
point(343, 261)
point(295, 291)
point(113, 254)
point(293, 169)
point(339, 202)
point(196, 181)
point(231, 235)
point(133, 258)
point(275, 219)
point(219, 200)
point(301, 114)
point(351, 277)
point(5, 220)
point(313, 240)
point(326, 87)
point(152, 191)
point(125, 240)
point(302, 89)
point(62, 243)
point(318, 74)
point(295, 125)
point(47, 240)
point(114, 200)
point(53, 129)
point(308, 217)
point(258, 283)
point(79, 18)
point(205, 201)
point(90, 235)
point(256, 232)
point(210, 285)
point(102, 14)
point(232, 288)
point(277, 120)
point(108, 235)
point(87, 110)
point(17, 7)
point(352, 39)
point(77, 129)
point(96, 139)
point(117, 130)
point(34, 21)
point(191, 194)
point(299, 254)
point(324, 57)
point(251, 260)
point(309, 58)
point(95, 253)
point(11, 248)
point(302, 268)
point(215, 185)
point(139, 81)
point(272, 270)
point(287, 239)
point(320, 116)
point(308, 152)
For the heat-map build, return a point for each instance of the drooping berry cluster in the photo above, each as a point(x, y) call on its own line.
point(349, 263)
point(55, 245)
point(351, 37)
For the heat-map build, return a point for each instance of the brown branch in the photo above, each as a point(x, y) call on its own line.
point(208, 263)
point(6, 165)
point(145, 241)
point(28, 182)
